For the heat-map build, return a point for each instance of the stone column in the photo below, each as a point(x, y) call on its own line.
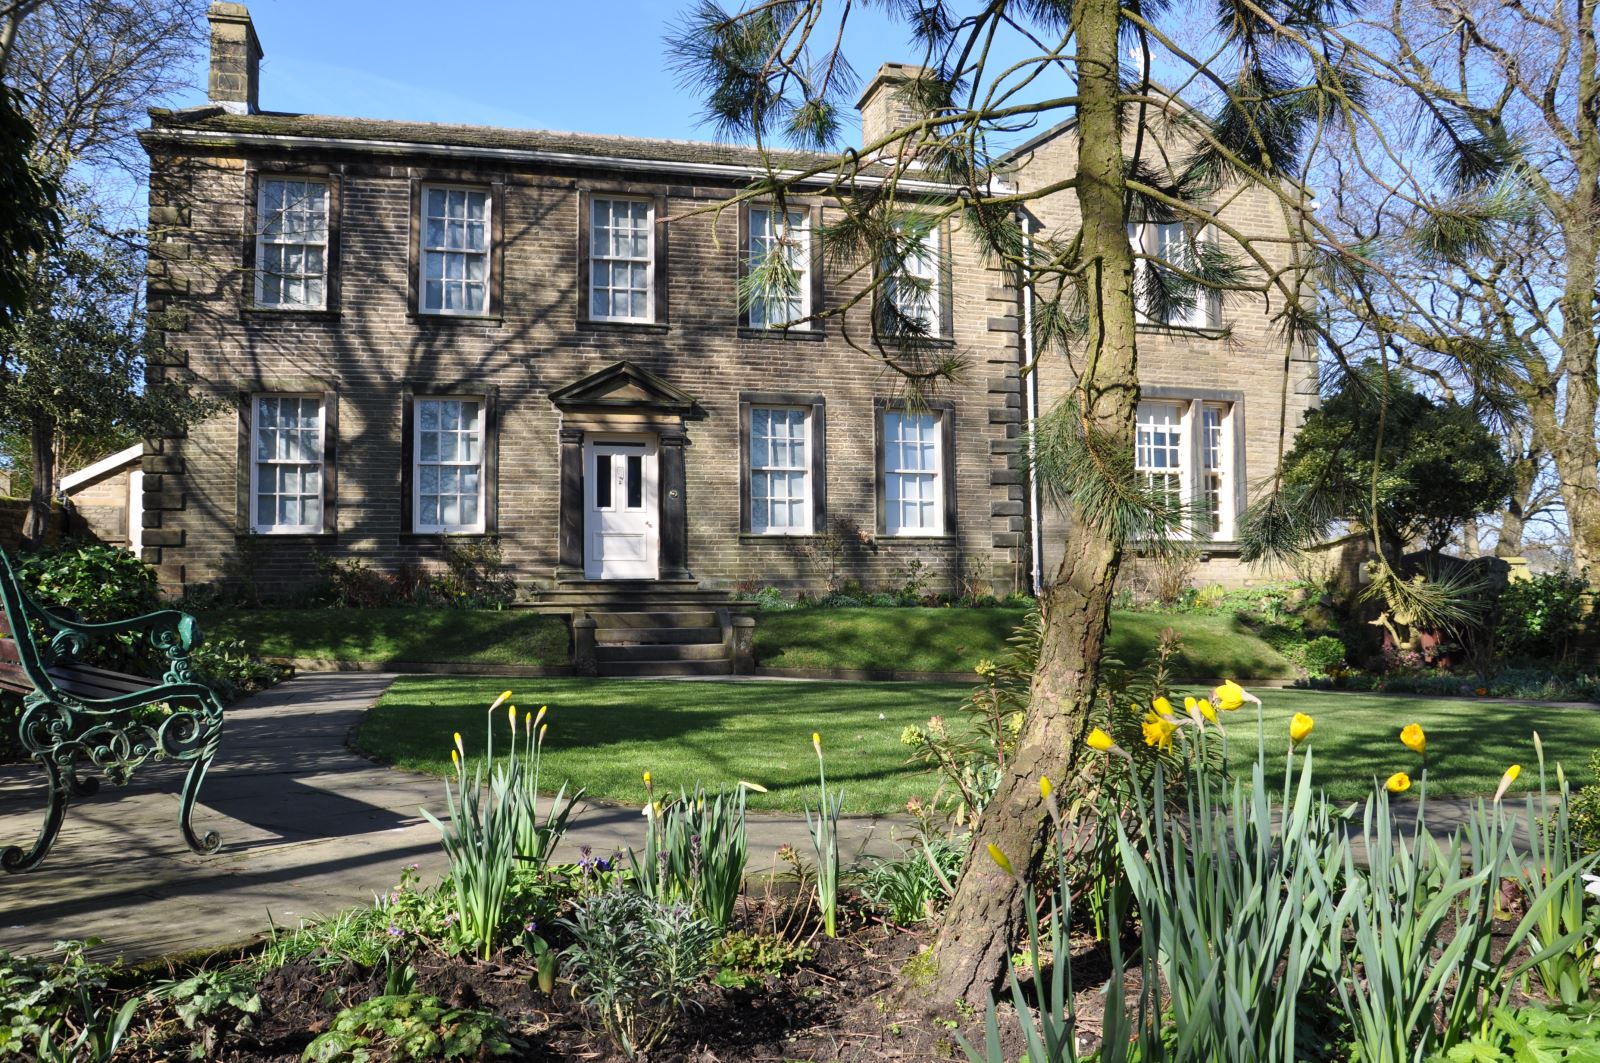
point(674, 507)
point(585, 654)
point(744, 645)
point(569, 563)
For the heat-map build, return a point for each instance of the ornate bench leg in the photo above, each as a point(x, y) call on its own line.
point(62, 788)
point(211, 841)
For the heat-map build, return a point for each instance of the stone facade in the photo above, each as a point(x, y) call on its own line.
point(368, 351)
point(1246, 362)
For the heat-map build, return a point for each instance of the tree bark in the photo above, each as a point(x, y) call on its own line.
point(985, 916)
point(41, 444)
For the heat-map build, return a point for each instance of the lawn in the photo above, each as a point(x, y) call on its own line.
point(605, 733)
point(953, 640)
point(468, 636)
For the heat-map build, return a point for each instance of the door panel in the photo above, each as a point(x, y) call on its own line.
point(621, 516)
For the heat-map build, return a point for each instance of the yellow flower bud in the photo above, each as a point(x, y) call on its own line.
point(459, 746)
point(542, 710)
point(1000, 860)
point(816, 742)
point(505, 696)
point(1414, 738)
point(1163, 707)
point(1506, 780)
point(1100, 742)
point(1300, 727)
point(455, 758)
point(511, 712)
point(1398, 783)
point(647, 778)
point(1206, 709)
point(1045, 787)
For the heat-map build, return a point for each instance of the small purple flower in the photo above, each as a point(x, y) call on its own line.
point(531, 927)
point(602, 864)
point(585, 851)
point(395, 931)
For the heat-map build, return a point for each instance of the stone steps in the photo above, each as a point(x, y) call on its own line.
point(624, 628)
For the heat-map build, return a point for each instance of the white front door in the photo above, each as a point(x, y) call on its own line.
point(620, 533)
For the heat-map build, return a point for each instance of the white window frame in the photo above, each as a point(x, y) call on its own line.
point(257, 463)
point(1147, 238)
point(478, 526)
point(648, 259)
point(424, 249)
point(1217, 459)
point(799, 228)
point(925, 266)
point(936, 469)
point(305, 242)
point(1195, 454)
point(804, 524)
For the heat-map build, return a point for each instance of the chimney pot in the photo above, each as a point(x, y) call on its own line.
point(235, 78)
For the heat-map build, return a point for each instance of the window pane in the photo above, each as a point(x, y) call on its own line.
point(602, 481)
point(635, 481)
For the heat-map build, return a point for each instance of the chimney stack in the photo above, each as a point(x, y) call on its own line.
point(883, 108)
point(235, 79)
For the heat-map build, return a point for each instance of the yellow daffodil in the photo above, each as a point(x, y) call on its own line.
point(1207, 710)
point(1506, 780)
point(1100, 741)
point(542, 710)
point(1163, 707)
point(543, 727)
point(527, 721)
point(816, 742)
point(1300, 727)
point(647, 778)
point(459, 746)
point(1398, 783)
point(1045, 787)
point(757, 787)
point(455, 758)
point(1158, 731)
point(1414, 739)
point(512, 713)
point(1000, 860)
point(1229, 696)
point(505, 696)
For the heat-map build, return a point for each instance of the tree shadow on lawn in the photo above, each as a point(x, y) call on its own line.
point(608, 733)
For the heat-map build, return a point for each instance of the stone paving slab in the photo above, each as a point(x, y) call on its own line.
point(308, 828)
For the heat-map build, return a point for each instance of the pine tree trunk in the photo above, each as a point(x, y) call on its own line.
point(986, 915)
point(41, 444)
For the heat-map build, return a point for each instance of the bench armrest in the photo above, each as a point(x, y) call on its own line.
point(171, 631)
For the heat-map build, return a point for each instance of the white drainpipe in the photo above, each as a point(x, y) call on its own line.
point(1030, 389)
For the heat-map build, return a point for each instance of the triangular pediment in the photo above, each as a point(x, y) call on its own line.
point(622, 385)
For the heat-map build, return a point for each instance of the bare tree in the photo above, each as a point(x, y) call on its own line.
point(1477, 185)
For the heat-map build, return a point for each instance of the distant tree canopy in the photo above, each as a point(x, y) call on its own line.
point(28, 216)
point(1438, 468)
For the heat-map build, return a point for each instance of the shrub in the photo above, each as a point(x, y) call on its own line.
point(410, 1027)
point(350, 584)
point(1322, 655)
point(634, 963)
point(772, 598)
point(475, 576)
point(228, 667)
point(99, 583)
point(1541, 618)
point(215, 1001)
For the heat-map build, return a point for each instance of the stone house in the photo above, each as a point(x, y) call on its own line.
point(426, 333)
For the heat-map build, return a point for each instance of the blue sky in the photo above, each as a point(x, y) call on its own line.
point(596, 66)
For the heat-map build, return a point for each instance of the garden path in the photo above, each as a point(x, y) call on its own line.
point(308, 827)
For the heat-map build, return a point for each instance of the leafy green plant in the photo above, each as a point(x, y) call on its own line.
point(745, 958)
point(824, 830)
point(912, 887)
point(99, 583)
point(1541, 618)
point(410, 1027)
point(475, 576)
point(350, 583)
point(1322, 655)
point(695, 852)
point(53, 1011)
point(1567, 975)
point(482, 836)
point(229, 667)
point(1533, 1034)
point(216, 1000)
point(634, 963)
point(537, 837)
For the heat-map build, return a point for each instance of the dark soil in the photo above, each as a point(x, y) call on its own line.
point(847, 1003)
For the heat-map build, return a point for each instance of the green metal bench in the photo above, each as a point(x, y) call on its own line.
point(75, 715)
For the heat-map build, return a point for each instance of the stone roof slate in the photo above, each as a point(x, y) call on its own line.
point(424, 134)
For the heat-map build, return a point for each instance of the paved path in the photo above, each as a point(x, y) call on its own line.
point(308, 827)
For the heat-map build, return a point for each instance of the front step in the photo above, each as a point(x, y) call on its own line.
point(655, 618)
point(641, 669)
point(652, 636)
point(662, 652)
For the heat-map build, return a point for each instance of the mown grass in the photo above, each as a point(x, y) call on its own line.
point(409, 634)
point(953, 640)
point(605, 733)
